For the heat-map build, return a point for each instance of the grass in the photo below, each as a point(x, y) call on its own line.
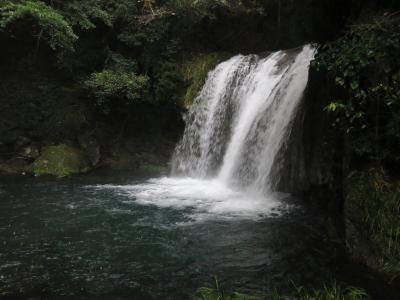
point(372, 210)
point(328, 292)
point(218, 293)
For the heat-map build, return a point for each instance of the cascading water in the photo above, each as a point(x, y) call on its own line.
point(234, 131)
point(241, 119)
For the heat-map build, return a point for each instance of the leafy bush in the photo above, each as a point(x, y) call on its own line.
point(117, 82)
point(365, 65)
point(109, 84)
point(135, 34)
point(84, 13)
point(52, 26)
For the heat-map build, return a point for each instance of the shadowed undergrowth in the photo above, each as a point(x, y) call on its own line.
point(328, 292)
point(372, 210)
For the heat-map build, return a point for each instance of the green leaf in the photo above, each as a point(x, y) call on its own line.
point(339, 81)
point(354, 85)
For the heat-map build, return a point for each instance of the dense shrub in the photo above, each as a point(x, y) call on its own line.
point(108, 85)
point(50, 25)
point(365, 65)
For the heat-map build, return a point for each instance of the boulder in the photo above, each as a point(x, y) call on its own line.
point(60, 160)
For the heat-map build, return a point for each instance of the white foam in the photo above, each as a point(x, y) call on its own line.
point(199, 199)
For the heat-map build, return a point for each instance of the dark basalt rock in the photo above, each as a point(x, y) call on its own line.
point(91, 147)
point(311, 162)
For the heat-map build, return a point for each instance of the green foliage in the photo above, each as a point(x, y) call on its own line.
point(217, 293)
point(372, 210)
point(117, 61)
point(198, 9)
point(118, 81)
point(144, 34)
point(364, 65)
point(212, 294)
point(328, 292)
point(109, 85)
point(51, 26)
point(84, 14)
point(167, 82)
point(331, 292)
point(195, 73)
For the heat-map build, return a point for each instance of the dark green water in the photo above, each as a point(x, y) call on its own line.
point(69, 239)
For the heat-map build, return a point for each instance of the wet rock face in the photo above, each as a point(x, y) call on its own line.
point(61, 160)
point(14, 165)
point(91, 147)
point(311, 162)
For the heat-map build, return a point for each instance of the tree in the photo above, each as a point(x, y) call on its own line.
point(48, 24)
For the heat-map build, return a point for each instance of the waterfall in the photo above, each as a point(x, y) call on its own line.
point(233, 151)
point(241, 119)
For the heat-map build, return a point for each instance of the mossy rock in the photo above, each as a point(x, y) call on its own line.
point(61, 160)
